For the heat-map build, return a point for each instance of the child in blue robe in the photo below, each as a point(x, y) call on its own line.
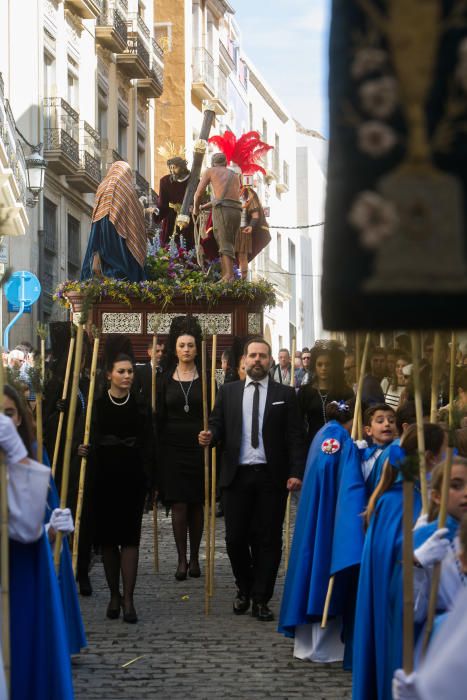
point(309, 564)
point(377, 634)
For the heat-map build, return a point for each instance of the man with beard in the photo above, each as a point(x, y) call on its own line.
point(258, 423)
point(172, 189)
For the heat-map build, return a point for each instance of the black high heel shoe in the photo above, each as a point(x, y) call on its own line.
point(129, 614)
point(182, 570)
point(193, 569)
point(113, 611)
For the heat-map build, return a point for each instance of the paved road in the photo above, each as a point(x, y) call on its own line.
point(185, 654)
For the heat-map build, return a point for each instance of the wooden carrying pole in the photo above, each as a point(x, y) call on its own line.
point(4, 555)
point(206, 476)
point(357, 411)
point(435, 378)
point(42, 332)
point(419, 416)
point(61, 417)
point(212, 551)
point(288, 507)
point(443, 506)
point(407, 563)
point(69, 438)
point(84, 460)
point(155, 529)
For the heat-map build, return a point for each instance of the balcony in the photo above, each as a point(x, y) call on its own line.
point(88, 176)
point(141, 185)
point(135, 61)
point(278, 276)
point(13, 217)
point(61, 134)
point(86, 9)
point(220, 99)
point(111, 28)
point(153, 84)
point(204, 84)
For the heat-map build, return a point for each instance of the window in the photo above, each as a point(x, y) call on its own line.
point(122, 134)
point(74, 248)
point(279, 249)
point(250, 116)
point(293, 283)
point(73, 84)
point(285, 173)
point(277, 155)
point(141, 155)
point(102, 116)
point(50, 75)
point(49, 257)
point(264, 131)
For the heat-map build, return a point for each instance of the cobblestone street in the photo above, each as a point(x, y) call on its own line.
point(181, 653)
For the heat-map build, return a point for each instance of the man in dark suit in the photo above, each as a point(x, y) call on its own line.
point(258, 423)
point(143, 377)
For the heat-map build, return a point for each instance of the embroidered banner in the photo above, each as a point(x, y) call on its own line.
point(395, 249)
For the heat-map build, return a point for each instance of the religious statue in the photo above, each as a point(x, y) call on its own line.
point(172, 189)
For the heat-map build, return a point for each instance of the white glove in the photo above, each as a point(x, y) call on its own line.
point(421, 521)
point(361, 444)
point(62, 521)
point(10, 441)
point(434, 549)
point(403, 686)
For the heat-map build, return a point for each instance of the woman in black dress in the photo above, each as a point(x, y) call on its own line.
point(327, 384)
point(123, 461)
point(179, 420)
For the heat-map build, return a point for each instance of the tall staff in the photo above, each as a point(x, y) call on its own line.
point(357, 411)
point(407, 567)
point(4, 555)
point(84, 460)
point(415, 337)
point(435, 378)
point(58, 437)
point(69, 436)
point(288, 507)
point(443, 507)
point(42, 333)
point(212, 551)
point(155, 528)
point(206, 472)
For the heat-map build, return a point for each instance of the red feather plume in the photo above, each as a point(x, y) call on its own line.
point(244, 152)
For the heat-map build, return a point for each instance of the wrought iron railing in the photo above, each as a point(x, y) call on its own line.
point(111, 17)
point(136, 46)
point(61, 127)
point(203, 68)
point(90, 151)
point(116, 156)
point(157, 62)
point(141, 184)
point(137, 25)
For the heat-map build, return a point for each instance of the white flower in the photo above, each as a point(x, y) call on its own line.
point(374, 217)
point(368, 61)
point(376, 139)
point(379, 97)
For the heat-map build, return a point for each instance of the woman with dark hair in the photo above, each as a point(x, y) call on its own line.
point(327, 385)
point(253, 234)
point(394, 386)
point(179, 421)
point(123, 464)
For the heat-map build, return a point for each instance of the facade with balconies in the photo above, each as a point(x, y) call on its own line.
point(82, 81)
point(13, 215)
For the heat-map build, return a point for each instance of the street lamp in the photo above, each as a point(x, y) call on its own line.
point(35, 170)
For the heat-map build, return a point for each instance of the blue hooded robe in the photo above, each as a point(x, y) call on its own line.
point(309, 565)
point(116, 260)
point(378, 623)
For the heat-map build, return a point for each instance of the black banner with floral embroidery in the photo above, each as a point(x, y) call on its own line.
point(395, 247)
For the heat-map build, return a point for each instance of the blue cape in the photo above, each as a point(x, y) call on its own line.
point(116, 259)
point(378, 634)
point(40, 660)
point(66, 580)
point(309, 565)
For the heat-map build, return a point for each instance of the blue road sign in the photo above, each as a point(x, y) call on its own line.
point(22, 290)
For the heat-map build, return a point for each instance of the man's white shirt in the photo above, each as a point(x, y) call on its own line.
point(249, 454)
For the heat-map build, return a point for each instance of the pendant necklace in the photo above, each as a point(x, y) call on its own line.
point(118, 403)
point(324, 398)
point(186, 407)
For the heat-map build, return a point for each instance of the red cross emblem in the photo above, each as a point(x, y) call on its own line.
point(331, 446)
